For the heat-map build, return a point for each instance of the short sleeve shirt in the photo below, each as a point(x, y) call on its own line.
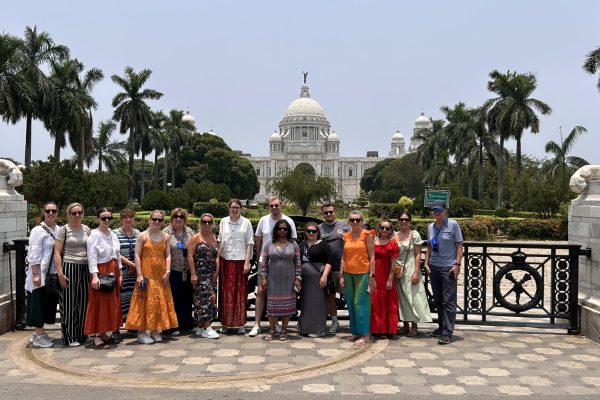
point(333, 234)
point(448, 236)
point(265, 229)
point(235, 237)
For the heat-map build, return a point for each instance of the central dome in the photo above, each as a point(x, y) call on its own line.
point(304, 106)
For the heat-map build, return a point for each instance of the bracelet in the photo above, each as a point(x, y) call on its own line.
point(35, 273)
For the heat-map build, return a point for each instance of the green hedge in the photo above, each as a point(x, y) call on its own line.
point(218, 210)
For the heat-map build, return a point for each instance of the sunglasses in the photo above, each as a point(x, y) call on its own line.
point(281, 228)
point(404, 219)
point(273, 205)
point(355, 220)
point(51, 211)
point(76, 213)
point(180, 217)
point(437, 210)
point(234, 208)
point(106, 218)
point(207, 222)
point(311, 231)
point(385, 228)
point(328, 212)
point(157, 219)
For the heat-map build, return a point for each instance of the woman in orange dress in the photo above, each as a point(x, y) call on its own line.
point(152, 306)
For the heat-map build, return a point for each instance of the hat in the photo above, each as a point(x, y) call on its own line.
point(438, 205)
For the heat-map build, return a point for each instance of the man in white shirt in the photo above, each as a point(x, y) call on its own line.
point(262, 237)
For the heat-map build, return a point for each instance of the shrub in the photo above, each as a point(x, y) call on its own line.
point(180, 198)
point(385, 210)
point(462, 207)
point(157, 200)
point(218, 210)
point(501, 212)
point(405, 203)
point(548, 229)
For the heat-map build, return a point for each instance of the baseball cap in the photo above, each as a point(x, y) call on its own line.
point(438, 205)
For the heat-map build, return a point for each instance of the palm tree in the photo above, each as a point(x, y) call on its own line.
point(108, 153)
point(460, 122)
point(178, 131)
point(38, 49)
point(131, 109)
point(157, 140)
point(562, 160)
point(85, 84)
point(432, 154)
point(592, 64)
point(514, 110)
point(13, 86)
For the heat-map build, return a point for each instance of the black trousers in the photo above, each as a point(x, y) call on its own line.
point(443, 285)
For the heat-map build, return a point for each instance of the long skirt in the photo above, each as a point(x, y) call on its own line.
point(233, 293)
point(313, 301)
point(103, 312)
point(73, 301)
point(358, 301)
point(41, 308)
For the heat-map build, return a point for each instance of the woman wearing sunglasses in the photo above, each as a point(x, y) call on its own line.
point(127, 235)
point(316, 267)
point(41, 303)
point(203, 268)
point(103, 313)
point(181, 286)
point(280, 271)
point(384, 300)
point(358, 277)
point(70, 256)
point(414, 307)
point(152, 306)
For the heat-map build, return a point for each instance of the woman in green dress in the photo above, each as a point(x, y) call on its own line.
point(414, 307)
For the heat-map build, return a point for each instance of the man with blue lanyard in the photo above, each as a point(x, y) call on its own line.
point(443, 261)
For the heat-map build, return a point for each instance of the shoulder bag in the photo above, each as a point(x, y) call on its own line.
point(400, 268)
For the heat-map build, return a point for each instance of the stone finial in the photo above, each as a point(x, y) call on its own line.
point(579, 180)
point(10, 177)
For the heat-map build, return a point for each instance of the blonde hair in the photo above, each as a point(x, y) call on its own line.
point(202, 216)
point(70, 207)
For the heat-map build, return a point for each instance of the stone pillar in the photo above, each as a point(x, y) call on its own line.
point(584, 230)
point(13, 225)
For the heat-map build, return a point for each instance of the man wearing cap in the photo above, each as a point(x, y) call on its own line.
point(443, 260)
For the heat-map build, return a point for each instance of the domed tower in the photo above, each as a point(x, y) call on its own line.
point(397, 146)
point(275, 144)
point(189, 119)
point(422, 122)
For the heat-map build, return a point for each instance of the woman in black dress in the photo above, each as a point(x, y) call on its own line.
point(316, 267)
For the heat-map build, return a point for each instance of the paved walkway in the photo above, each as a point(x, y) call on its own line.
point(482, 361)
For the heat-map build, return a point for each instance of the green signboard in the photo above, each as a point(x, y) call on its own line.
point(436, 195)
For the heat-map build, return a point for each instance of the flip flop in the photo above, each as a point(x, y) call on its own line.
point(361, 342)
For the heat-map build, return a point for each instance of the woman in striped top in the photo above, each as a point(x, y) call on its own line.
point(127, 234)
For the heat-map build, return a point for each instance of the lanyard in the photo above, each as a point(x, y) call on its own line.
point(437, 231)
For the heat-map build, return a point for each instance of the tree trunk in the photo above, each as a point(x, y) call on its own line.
point(130, 150)
point(518, 169)
point(155, 171)
point(500, 172)
point(470, 183)
point(57, 147)
point(166, 170)
point(173, 169)
point(143, 180)
point(480, 174)
point(28, 141)
point(100, 162)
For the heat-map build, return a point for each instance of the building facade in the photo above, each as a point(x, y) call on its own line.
point(305, 137)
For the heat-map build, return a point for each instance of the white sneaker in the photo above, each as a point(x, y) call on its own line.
point(316, 335)
point(255, 331)
point(277, 327)
point(175, 333)
point(210, 333)
point(143, 338)
point(44, 335)
point(199, 331)
point(335, 326)
point(40, 341)
point(156, 337)
point(74, 344)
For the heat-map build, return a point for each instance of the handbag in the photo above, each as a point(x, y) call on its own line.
point(400, 268)
point(107, 282)
point(51, 284)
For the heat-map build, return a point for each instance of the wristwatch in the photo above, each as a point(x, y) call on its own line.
point(372, 275)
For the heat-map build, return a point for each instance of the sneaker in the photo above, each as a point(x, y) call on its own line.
point(144, 338)
point(436, 333)
point(199, 331)
point(175, 333)
point(210, 333)
point(445, 339)
point(74, 344)
point(335, 326)
point(44, 335)
point(156, 337)
point(255, 331)
point(241, 331)
point(277, 327)
point(40, 341)
point(316, 335)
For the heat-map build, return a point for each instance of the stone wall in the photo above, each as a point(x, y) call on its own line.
point(13, 225)
point(584, 229)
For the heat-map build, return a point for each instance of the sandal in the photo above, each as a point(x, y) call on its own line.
point(353, 338)
point(412, 333)
point(283, 335)
point(362, 341)
point(99, 346)
point(269, 336)
point(404, 330)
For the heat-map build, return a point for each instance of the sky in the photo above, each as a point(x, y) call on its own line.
point(373, 65)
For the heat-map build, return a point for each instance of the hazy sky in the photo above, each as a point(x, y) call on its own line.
point(373, 65)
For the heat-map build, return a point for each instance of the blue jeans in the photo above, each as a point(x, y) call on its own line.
point(444, 295)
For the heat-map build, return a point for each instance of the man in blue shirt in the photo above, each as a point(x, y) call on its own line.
point(443, 261)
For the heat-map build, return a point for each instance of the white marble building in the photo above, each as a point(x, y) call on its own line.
point(305, 137)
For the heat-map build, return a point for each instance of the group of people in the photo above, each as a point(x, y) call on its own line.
point(164, 281)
